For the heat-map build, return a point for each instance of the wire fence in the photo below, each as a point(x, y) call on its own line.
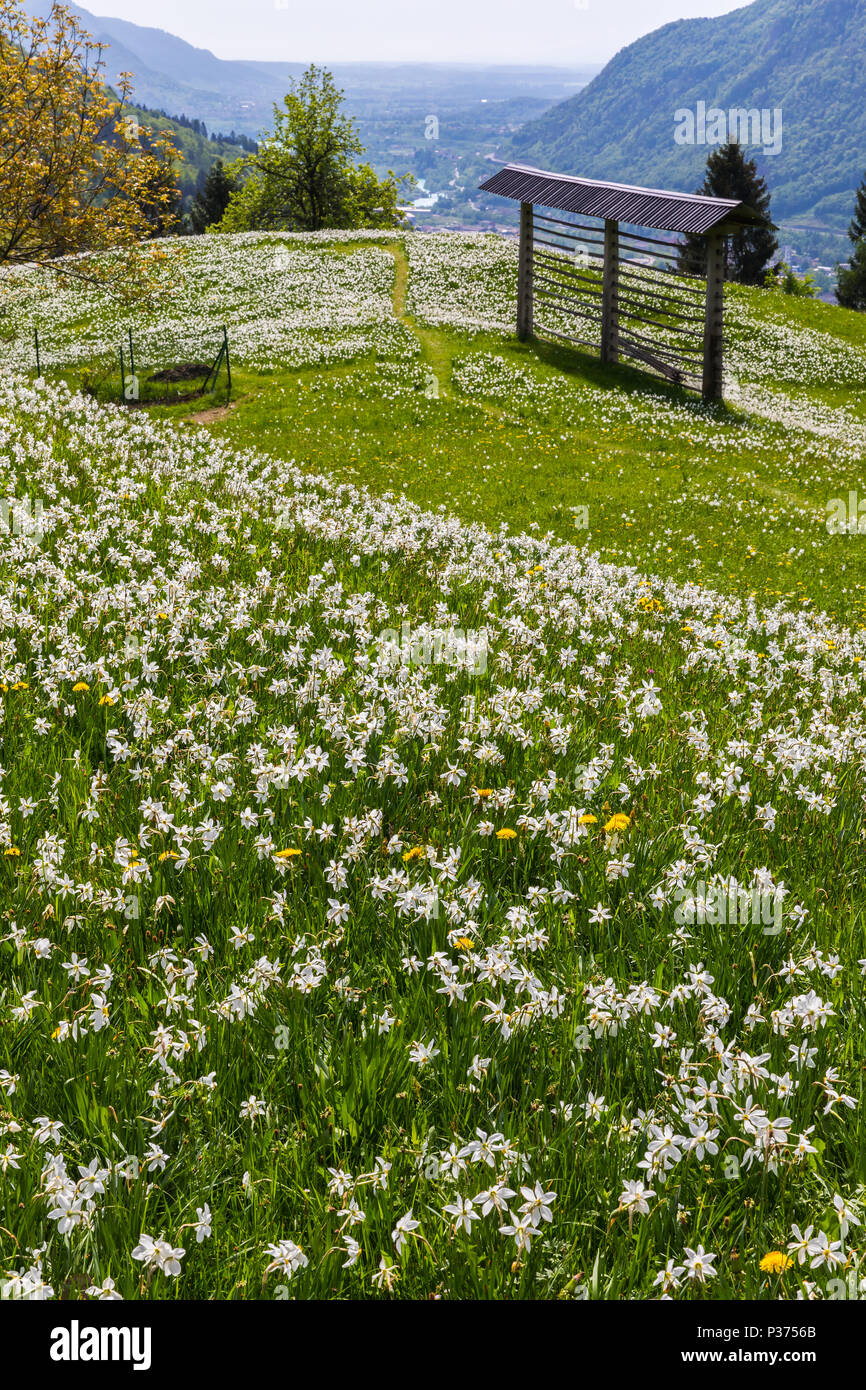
point(184, 360)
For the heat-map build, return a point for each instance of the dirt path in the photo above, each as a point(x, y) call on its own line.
point(216, 412)
point(436, 350)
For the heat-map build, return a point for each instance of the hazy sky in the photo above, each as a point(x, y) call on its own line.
point(565, 32)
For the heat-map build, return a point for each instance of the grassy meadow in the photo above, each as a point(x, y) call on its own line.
point(431, 795)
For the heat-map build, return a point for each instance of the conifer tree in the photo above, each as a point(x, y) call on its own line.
point(729, 174)
point(851, 280)
point(212, 198)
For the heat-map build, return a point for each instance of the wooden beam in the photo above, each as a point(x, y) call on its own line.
point(524, 273)
point(714, 318)
point(643, 355)
point(610, 294)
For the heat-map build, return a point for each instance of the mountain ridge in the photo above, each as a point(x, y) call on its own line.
point(803, 58)
point(174, 75)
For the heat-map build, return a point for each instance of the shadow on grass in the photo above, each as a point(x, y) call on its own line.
point(585, 364)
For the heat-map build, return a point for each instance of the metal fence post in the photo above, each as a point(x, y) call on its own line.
point(524, 274)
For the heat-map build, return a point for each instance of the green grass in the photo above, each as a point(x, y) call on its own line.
point(729, 516)
point(221, 612)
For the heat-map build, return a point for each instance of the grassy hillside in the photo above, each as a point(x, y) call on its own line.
point(198, 152)
point(332, 344)
point(408, 892)
point(804, 57)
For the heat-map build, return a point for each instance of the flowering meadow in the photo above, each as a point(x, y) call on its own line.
point(399, 902)
point(285, 300)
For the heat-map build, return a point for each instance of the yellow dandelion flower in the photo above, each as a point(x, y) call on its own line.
point(12, 852)
point(21, 685)
point(465, 943)
point(107, 700)
point(483, 791)
point(286, 853)
point(775, 1262)
point(587, 820)
point(81, 685)
point(617, 822)
point(168, 854)
point(506, 834)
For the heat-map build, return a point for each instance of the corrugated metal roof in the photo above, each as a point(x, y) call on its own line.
point(655, 208)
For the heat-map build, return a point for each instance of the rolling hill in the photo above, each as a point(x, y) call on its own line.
point(198, 152)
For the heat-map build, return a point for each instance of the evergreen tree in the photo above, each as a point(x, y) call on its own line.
point(851, 282)
point(857, 230)
point(729, 174)
point(212, 198)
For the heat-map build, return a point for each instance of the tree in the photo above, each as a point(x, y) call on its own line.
point(730, 175)
point(303, 177)
point(161, 203)
point(782, 277)
point(851, 279)
point(212, 198)
point(77, 173)
point(857, 229)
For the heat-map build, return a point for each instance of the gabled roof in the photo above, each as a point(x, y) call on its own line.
point(656, 208)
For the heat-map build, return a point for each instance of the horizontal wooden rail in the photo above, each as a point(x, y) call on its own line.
point(560, 264)
point(573, 226)
point(570, 310)
point(652, 240)
point(662, 300)
point(656, 323)
point(665, 349)
point(677, 286)
point(593, 287)
point(542, 241)
point(568, 338)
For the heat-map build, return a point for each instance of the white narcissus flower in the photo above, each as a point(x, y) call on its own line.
point(404, 1228)
point(463, 1212)
point(699, 1264)
point(287, 1257)
point(202, 1223)
point(159, 1255)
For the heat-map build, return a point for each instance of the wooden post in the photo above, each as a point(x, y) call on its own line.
point(610, 294)
point(714, 318)
point(524, 274)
